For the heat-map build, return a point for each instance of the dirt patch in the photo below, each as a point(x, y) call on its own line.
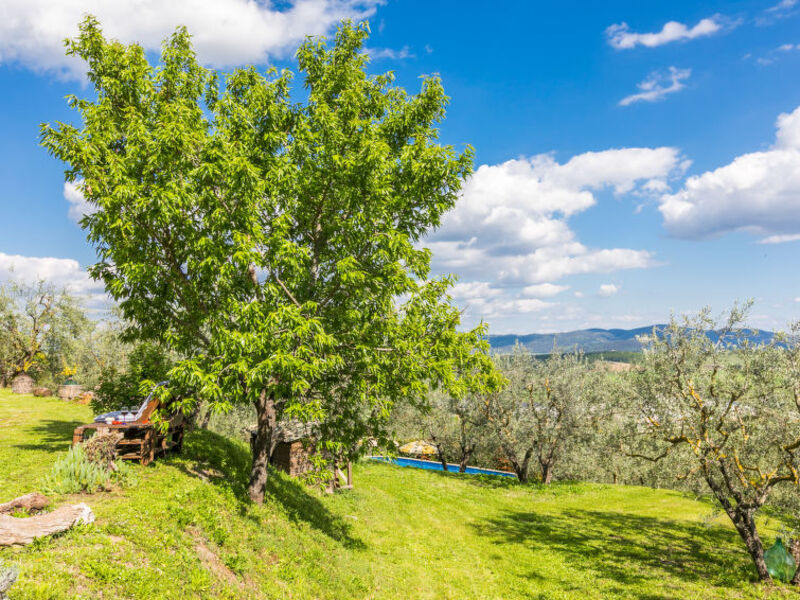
point(211, 561)
point(615, 366)
point(214, 564)
point(206, 474)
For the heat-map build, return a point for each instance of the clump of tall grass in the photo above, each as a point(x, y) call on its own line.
point(75, 473)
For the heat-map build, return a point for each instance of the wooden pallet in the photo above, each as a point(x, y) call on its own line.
point(142, 441)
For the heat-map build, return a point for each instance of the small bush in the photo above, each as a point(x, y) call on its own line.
point(75, 473)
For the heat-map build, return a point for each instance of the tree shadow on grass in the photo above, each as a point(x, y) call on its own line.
point(301, 506)
point(627, 549)
point(225, 463)
point(482, 480)
point(51, 435)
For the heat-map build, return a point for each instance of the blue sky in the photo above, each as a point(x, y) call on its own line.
point(632, 158)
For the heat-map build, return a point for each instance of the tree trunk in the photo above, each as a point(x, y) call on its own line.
point(520, 468)
point(745, 524)
point(744, 521)
point(262, 448)
point(547, 472)
point(439, 449)
point(462, 464)
point(442, 456)
point(522, 474)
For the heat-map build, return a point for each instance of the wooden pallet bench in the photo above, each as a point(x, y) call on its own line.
point(141, 441)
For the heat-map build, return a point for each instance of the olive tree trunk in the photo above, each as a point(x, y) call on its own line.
point(465, 457)
point(547, 471)
point(744, 520)
point(746, 526)
point(520, 467)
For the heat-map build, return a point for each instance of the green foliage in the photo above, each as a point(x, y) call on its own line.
point(456, 418)
point(26, 316)
point(176, 533)
point(546, 407)
point(45, 333)
point(121, 385)
point(75, 473)
point(273, 244)
point(726, 409)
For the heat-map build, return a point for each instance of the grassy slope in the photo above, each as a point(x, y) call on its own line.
point(186, 531)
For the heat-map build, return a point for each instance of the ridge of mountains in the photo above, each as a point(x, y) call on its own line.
point(589, 340)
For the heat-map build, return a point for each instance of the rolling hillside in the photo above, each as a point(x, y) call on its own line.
point(187, 530)
point(588, 340)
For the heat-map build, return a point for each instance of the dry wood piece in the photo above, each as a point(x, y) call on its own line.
point(29, 502)
point(8, 575)
point(20, 531)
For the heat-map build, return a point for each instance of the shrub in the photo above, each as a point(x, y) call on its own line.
point(119, 388)
point(75, 473)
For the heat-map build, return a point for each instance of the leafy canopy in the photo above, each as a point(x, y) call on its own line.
point(274, 244)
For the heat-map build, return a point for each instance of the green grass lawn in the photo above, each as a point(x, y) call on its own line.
point(186, 530)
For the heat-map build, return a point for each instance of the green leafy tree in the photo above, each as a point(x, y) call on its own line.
point(726, 410)
point(121, 384)
point(274, 245)
point(545, 407)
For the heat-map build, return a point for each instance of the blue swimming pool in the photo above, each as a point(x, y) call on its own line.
point(437, 466)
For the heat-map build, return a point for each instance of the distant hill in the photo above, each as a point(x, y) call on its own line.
point(588, 340)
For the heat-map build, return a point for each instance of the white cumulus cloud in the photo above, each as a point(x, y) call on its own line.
point(511, 224)
point(61, 272)
point(782, 6)
point(390, 53)
point(543, 290)
point(607, 289)
point(473, 289)
point(620, 35)
point(509, 238)
point(225, 32)
point(658, 85)
point(78, 206)
point(758, 192)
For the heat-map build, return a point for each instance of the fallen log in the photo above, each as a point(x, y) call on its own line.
point(20, 531)
point(29, 502)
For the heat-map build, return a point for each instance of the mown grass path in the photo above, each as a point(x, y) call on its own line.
point(186, 530)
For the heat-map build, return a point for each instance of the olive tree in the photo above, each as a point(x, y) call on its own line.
point(456, 420)
point(727, 409)
point(544, 407)
point(273, 244)
point(26, 317)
